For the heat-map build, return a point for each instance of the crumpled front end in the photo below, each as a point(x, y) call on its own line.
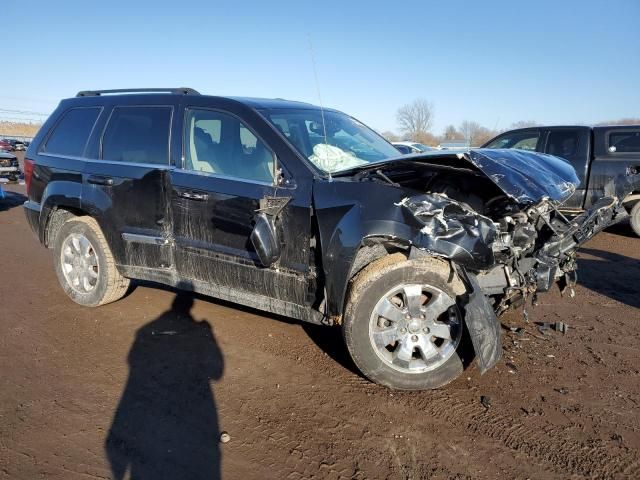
point(493, 214)
point(516, 242)
point(452, 229)
point(515, 248)
point(516, 255)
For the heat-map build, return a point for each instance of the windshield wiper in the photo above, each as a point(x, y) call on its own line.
point(367, 173)
point(364, 167)
point(381, 174)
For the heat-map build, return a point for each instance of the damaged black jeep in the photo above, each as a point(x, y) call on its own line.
point(307, 213)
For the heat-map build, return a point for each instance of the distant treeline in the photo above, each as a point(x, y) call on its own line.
point(415, 121)
point(18, 129)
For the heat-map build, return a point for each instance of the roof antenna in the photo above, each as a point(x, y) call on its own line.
point(315, 74)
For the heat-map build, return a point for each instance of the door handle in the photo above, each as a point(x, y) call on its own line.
point(193, 195)
point(100, 180)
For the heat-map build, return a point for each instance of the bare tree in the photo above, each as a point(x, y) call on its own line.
point(469, 130)
point(524, 124)
point(416, 119)
point(451, 133)
point(425, 138)
point(474, 133)
point(483, 136)
point(390, 136)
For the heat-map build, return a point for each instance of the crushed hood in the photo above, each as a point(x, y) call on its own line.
point(527, 177)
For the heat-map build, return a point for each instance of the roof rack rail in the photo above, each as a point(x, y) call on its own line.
point(176, 91)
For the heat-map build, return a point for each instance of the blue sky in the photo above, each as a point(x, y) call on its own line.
point(495, 62)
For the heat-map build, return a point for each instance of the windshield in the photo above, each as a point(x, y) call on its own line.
point(348, 143)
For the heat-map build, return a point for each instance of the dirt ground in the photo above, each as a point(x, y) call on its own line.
point(147, 384)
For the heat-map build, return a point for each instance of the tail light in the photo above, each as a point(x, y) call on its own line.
point(28, 173)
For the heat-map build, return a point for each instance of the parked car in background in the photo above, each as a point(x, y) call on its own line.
point(18, 145)
point(9, 167)
point(606, 159)
point(304, 212)
point(454, 145)
point(412, 147)
point(6, 146)
point(403, 149)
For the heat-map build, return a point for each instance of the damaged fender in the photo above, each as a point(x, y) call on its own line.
point(452, 230)
point(482, 323)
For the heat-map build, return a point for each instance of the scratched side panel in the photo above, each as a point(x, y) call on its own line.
point(134, 204)
point(213, 244)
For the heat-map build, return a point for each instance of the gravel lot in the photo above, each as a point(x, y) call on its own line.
point(143, 386)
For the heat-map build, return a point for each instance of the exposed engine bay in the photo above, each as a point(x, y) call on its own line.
point(503, 228)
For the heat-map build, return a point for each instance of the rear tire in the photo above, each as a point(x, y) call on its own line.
point(85, 265)
point(635, 218)
point(402, 324)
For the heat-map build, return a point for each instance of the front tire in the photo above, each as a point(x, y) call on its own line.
point(635, 218)
point(85, 265)
point(402, 324)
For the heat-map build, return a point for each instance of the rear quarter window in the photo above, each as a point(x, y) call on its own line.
point(70, 135)
point(624, 142)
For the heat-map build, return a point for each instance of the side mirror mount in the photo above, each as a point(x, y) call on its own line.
point(265, 240)
point(284, 180)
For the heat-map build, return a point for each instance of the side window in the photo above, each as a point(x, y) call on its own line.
point(70, 135)
point(522, 141)
point(563, 143)
point(219, 143)
point(624, 142)
point(138, 134)
point(528, 143)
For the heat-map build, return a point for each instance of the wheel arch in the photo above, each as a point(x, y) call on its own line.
point(370, 249)
point(56, 217)
point(59, 196)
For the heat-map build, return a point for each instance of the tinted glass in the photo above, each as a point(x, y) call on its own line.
point(218, 143)
point(624, 142)
point(70, 135)
point(138, 134)
point(563, 144)
point(522, 141)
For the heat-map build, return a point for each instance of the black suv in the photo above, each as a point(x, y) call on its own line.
point(304, 212)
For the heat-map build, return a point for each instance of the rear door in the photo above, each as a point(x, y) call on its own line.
point(572, 144)
point(124, 184)
point(226, 179)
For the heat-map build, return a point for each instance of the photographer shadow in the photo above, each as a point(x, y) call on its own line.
point(166, 423)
